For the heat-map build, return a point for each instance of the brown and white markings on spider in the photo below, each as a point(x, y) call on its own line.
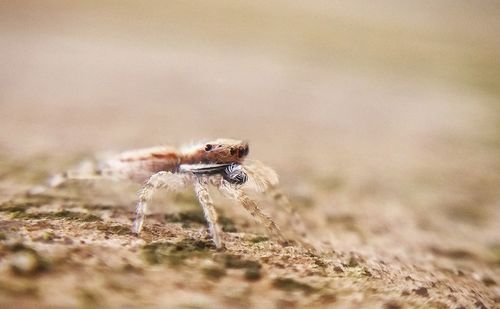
point(220, 163)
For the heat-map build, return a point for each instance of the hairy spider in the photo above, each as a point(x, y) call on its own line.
point(220, 163)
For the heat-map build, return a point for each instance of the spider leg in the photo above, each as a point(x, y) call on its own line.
point(201, 190)
point(294, 218)
point(235, 193)
point(84, 173)
point(263, 179)
point(167, 180)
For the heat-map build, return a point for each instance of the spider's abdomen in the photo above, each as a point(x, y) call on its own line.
point(139, 165)
point(235, 174)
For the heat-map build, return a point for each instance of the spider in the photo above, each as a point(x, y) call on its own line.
point(220, 163)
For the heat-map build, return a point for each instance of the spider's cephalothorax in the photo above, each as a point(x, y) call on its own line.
point(219, 151)
point(220, 163)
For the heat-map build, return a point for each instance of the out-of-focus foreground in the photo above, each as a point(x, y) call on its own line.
point(381, 118)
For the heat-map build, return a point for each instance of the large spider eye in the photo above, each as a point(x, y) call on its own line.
point(208, 147)
point(232, 151)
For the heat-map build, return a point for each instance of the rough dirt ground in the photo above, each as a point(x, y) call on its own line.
point(382, 123)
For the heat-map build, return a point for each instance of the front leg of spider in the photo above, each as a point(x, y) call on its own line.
point(201, 190)
point(232, 191)
point(263, 179)
point(167, 180)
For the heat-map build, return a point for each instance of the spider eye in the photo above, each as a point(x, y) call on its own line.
point(232, 151)
point(208, 147)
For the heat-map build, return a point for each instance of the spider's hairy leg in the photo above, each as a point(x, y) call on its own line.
point(235, 193)
point(167, 180)
point(85, 172)
point(201, 190)
point(263, 179)
point(294, 218)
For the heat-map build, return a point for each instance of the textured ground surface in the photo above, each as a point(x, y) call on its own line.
point(382, 123)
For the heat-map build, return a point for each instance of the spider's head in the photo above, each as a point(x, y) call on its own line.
point(224, 150)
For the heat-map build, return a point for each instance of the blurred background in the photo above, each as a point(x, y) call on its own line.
point(385, 112)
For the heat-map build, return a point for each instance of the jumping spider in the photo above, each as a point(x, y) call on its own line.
point(220, 163)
